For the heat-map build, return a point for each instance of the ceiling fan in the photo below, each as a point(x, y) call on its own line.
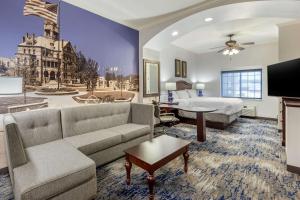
point(232, 47)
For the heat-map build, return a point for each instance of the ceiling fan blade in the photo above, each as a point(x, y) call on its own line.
point(218, 47)
point(240, 48)
point(248, 43)
point(220, 51)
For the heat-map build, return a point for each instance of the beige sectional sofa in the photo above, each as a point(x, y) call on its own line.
point(53, 153)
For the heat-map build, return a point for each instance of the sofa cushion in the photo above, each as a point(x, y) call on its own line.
point(131, 131)
point(53, 168)
point(90, 143)
point(14, 145)
point(85, 119)
point(39, 126)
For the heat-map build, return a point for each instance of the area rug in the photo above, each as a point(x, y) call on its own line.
point(245, 161)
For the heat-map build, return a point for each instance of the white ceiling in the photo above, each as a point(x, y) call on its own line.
point(258, 30)
point(130, 11)
point(251, 21)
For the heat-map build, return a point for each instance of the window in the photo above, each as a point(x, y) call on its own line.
point(242, 84)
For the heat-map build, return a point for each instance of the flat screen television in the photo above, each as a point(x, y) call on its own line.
point(284, 79)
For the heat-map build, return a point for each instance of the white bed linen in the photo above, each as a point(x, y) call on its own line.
point(226, 106)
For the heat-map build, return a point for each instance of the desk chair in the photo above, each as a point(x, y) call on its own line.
point(168, 119)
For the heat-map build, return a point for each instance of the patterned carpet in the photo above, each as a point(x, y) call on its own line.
point(246, 161)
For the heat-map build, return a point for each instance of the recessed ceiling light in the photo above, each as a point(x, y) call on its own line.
point(174, 33)
point(208, 19)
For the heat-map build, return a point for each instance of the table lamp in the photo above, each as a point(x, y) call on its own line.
point(200, 87)
point(170, 86)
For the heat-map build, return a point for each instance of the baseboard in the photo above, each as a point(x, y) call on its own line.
point(293, 169)
point(263, 118)
point(4, 170)
point(267, 118)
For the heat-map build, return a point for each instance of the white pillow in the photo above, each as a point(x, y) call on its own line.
point(174, 95)
point(192, 93)
point(164, 96)
point(182, 94)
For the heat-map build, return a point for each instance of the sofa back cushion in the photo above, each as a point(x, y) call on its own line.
point(84, 119)
point(39, 126)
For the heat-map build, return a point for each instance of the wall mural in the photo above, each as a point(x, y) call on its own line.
point(60, 49)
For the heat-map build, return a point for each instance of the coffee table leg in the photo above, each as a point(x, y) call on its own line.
point(186, 158)
point(128, 166)
point(201, 128)
point(151, 181)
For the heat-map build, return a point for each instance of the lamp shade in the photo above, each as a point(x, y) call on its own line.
point(200, 86)
point(170, 86)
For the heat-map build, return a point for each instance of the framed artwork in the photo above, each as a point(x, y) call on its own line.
point(183, 69)
point(178, 68)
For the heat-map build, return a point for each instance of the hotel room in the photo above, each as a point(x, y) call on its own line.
point(128, 99)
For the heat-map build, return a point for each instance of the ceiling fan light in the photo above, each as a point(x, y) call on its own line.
point(231, 53)
point(235, 51)
point(226, 52)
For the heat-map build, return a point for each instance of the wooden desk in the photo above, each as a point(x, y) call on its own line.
point(200, 119)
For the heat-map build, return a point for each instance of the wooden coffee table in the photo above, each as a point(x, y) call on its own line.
point(152, 155)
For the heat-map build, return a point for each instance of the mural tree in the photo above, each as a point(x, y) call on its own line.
point(3, 69)
point(88, 71)
point(81, 65)
point(92, 74)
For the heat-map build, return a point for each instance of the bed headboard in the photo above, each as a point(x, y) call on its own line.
point(183, 85)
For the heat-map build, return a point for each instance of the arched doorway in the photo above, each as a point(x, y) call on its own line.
point(46, 74)
point(52, 75)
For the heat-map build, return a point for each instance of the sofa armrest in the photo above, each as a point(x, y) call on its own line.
point(15, 152)
point(143, 114)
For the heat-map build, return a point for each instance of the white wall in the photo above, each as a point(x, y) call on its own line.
point(151, 54)
point(260, 56)
point(289, 42)
point(207, 68)
point(167, 63)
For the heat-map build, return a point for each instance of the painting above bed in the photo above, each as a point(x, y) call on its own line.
point(180, 68)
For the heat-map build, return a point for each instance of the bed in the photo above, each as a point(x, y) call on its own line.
point(228, 109)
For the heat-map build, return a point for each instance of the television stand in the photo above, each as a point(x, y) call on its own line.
point(284, 101)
